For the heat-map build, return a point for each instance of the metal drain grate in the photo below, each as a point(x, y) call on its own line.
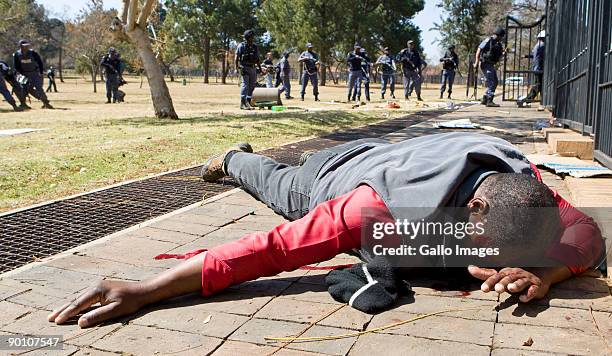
point(59, 226)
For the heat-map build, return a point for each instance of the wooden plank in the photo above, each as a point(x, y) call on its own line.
point(570, 144)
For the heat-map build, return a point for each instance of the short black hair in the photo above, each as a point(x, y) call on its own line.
point(522, 211)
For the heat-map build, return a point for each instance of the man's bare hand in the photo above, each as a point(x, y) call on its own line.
point(512, 280)
point(117, 298)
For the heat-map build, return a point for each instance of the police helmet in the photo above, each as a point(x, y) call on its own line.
point(308, 45)
point(249, 33)
point(410, 42)
point(500, 32)
point(542, 34)
point(24, 42)
point(112, 50)
point(451, 46)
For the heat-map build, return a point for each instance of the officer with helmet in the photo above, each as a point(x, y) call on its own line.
point(489, 53)
point(247, 63)
point(537, 66)
point(28, 64)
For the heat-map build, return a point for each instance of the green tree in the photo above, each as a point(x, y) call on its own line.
point(462, 26)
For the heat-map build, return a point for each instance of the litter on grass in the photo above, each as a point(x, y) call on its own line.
point(13, 132)
point(456, 124)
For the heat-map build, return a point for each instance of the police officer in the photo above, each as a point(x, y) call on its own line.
point(366, 63)
point(537, 55)
point(310, 60)
point(284, 71)
point(450, 63)
point(51, 77)
point(412, 69)
point(28, 63)
point(113, 68)
point(489, 53)
point(4, 68)
point(8, 76)
point(355, 75)
point(269, 70)
point(247, 63)
point(387, 63)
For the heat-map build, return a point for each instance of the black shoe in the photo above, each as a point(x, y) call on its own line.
point(419, 98)
point(406, 97)
point(449, 96)
point(46, 105)
point(25, 107)
point(485, 100)
point(392, 96)
point(249, 105)
point(243, 105)
point(317, 98)
point(289, 97)
point(213, 169)
point(17, 108)
point(441, 95)
point(108, 101)
point(491, 104)
point(382, 96)
point(302, 97)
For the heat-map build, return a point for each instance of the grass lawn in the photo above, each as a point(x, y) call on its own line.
point(87, 144)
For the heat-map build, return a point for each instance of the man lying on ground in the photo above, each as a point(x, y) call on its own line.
point(323, 198)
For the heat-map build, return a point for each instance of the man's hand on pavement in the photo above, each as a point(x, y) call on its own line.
point(512, 280)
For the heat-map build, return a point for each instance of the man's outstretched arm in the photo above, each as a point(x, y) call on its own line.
point(330, 229)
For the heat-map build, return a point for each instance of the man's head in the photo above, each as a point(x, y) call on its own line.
point(249, 36)
point(24, 45)
point(411, 44)
point(362, 51)
point(499, 33)
point(309, 47)
point(451, 48)
point(519, 214)
point(269, 55)
point(386, 50)
point(357, 47)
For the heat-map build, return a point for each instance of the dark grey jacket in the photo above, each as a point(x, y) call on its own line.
point(430, 171)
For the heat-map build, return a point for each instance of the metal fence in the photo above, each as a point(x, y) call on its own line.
point(578, 69)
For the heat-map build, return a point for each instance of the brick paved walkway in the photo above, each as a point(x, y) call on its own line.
point(236, 322)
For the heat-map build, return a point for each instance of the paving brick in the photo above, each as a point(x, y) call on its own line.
point(233, 348)
point(183, 226)
point(445, 289)
point(65, 351)
point(347, 318)
point(142, 340)
point(139, 273)
point(9, 312)
point(515, 352)
point(223, 209)
point(547, 316)
point(217, 221)
point(87, 264)
point(436, 327)
point(36, 323)
point(87, 351)
point(294, 310)
point(38, 298)
point(329, 347)
point(314, 277)
point(604, 322)
point(9, 288)
point(218, 237)
point(176, 237)
point(259, 222)
point(569, 298)
point(236, 302)
point(309, 292)
point(590, 284)
point(242, 198)
point(132, 250)
point(560, 340)
point(191, 318)
point(424, 304)
point(255, 330)
point(391, 345)
point(55, 281)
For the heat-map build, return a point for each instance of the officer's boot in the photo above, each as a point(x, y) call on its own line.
point(441, 94)
point(491, 104)
point(16, 108)
point(419, 98)
point(382, 96)
point(108, 100)
point(485, 100)
point(47, 105)
point(449, 95)
point(348, 99)
point(392, 95)
point(317, 97)
point(243, 104)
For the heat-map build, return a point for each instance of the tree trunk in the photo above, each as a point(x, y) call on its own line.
point(59, 64)
point(206, 57)
point(94, 77)
point(323, 69)
point(160, 95)
point(223, 66)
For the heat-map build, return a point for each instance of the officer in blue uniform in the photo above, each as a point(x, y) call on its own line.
point(4, 68)
point(412, 69)
point(28, 63)
point(387, 63)
point(450, 63)
point(310, 60)
point(247, 63)
point(366, 63)
point(284, 72)
point(489, 53)
point(51, 77)
point(537, 65)
point(113, 69)
point(355, 75)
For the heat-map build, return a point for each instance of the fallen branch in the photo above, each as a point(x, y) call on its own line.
point(343, 336)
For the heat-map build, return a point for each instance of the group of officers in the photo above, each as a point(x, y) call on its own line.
point(25, 77)
point(488, 55)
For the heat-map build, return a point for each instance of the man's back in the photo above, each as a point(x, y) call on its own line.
point(422, 172)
